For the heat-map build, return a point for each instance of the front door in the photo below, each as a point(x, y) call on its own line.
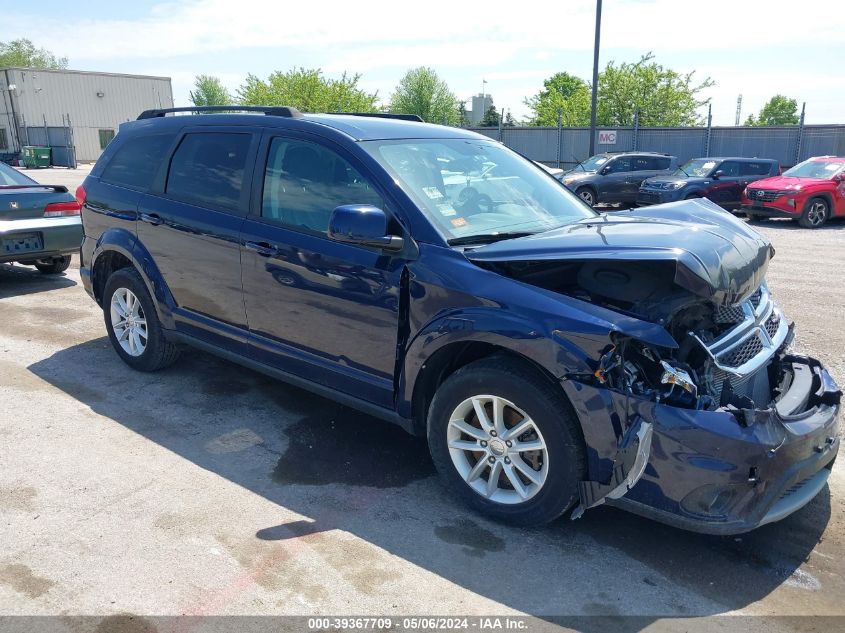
point(319, 309)
point(191, 229)
point(614, 180)
point(727, 188)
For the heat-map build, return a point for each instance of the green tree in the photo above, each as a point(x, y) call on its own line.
point(779, 110)
point(565, 93)
point(308, 90)
point(423, 93)
point(209, 91)
point(22, 53)
point(509, 120)
point(491, 117)
point(663, 96)
point(463, 116)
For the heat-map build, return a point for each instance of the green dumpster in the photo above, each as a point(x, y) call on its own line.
point(34, 156)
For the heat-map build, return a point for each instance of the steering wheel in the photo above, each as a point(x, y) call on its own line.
point(471, 201)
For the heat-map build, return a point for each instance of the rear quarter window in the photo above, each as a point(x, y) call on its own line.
point(136, 161)
point(757, 169)
point(661, 162)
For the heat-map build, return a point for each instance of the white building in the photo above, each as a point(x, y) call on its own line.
point(480, 104)
point(42, 102)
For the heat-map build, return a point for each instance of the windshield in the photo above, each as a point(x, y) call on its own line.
point(476, 187)
point(700, 167)
point(11, 176)
point(815, 169)
point(594, 162)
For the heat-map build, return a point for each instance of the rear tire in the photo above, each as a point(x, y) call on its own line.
point(469, 452)
point(816, 212)
point(55, 266)
point(132, 323)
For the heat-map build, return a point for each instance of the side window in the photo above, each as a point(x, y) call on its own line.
point(642, 163)
point(623, 163)
point(755, 169)
point(135, 163)
point(660, 162)
point(207, 169)
point(729, 168)
point(304, 182)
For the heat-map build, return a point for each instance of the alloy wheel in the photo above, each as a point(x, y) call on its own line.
point(497, 449)
point(128, 322)
point(587, 196)
point(817, 213)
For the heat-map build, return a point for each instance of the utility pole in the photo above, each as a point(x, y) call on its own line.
point(738, 109)
point(595, 79)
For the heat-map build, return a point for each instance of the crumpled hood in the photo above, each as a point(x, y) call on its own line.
point(716, 256)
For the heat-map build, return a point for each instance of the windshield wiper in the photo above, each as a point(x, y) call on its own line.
point(488, 238)
point(685, 173)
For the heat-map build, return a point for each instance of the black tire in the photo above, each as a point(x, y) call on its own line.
point(754, 217)
point(55, 266)
point(587, 194)
point(159, 352)
point(541, 400)
point(692, 196)
point(816, 213)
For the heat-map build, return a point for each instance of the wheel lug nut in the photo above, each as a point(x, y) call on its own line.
point(483, 444)
point(509, 443)
point(491, 459)
point(507, 460)
point(493, 433)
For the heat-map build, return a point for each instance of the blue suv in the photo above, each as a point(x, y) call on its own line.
point(554, 358)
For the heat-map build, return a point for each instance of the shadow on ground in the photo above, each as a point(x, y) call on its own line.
point(17, 280)
point(346, 471)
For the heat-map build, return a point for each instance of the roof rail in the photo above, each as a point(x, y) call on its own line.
point(285, 111)
point(383, 115)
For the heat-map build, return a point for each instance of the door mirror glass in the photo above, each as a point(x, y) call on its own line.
point(364, 225)
point(718, 174)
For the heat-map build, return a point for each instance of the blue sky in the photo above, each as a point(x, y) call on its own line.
point(756, 48)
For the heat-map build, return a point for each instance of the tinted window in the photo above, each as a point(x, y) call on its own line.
point(304, 182)
point(642, 163)
point(208, 169)
point(755, 169)
point(136, 162)
point(729, 168)
point(660, 162)
point(623, 163)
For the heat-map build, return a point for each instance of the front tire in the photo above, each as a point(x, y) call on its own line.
point(815, 213)
point(53, 266)
point(507, 442)
point(587, 195)
point(132, 323)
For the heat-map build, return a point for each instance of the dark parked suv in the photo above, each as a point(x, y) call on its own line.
point(554, 358)
point(721, 180)
point(616, 176)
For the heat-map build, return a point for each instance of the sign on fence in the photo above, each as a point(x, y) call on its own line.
point(607, 137)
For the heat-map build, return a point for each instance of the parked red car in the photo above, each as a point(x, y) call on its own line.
point(811, 192)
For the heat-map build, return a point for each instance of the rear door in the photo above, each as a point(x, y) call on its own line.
point(191, 227)
point(642, 167)
point(322, 310)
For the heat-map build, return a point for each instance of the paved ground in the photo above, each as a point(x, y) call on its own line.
point(210, 489)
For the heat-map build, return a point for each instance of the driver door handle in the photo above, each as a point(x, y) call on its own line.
point(262, 248)
point(151, 218)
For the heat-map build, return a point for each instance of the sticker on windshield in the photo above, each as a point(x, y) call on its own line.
point(458, 222)
point(432, 192)
point(446, 209)
point(709, 164)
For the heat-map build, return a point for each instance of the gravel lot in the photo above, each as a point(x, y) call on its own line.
point(210, 489)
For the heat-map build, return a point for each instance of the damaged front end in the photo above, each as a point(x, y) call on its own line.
point(724, 431)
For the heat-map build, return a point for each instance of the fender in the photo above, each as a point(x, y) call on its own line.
point(128, 245)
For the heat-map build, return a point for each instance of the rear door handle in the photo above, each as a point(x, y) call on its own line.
point(262, 248)
point(151, 218)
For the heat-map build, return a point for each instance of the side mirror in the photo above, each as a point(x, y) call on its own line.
point(364, 225)
point(840, 177)
point(719, 173)
point(605, 171)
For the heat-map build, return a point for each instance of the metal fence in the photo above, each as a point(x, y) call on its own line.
point(566, 146)
point(57, 137)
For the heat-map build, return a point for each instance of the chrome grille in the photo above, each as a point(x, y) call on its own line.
point(728, 314)
point(763, 195)
point(741, 354)
point(772, 324)
point(755, 298)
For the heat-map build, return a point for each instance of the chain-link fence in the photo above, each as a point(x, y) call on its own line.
point(566, 146)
